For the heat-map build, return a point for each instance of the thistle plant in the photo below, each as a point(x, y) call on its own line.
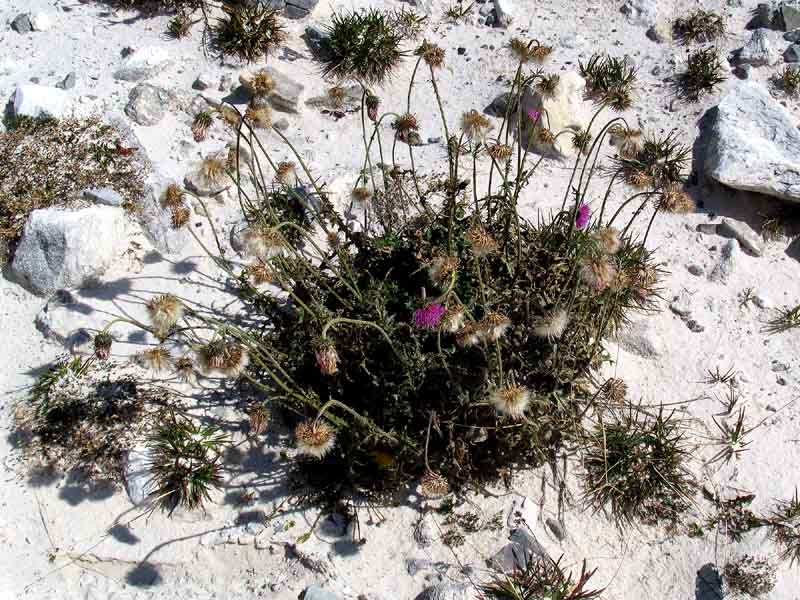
point(430, 334)
point(703, 73)
point(185, 463)
point(542, 578)
point(699, 26)
point(248, 31)
point(636, 463)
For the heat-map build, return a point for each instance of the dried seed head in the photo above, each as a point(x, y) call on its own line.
point(259, 420)
point(173, 196)
point(164, 312)
point(260, 272)
point(442, 269)
point(158, 359)
point(406, 123)
point(235, 360)
point(212, 355)
point(627, 141)
point(608, 239)
point(615, 390)
point(475, 126)
point(500, 152)
point(334, 241)
point(433, 485)
point(259, 117)
point(372, 102)
point(494, 326)
point(263, 242)
point(229, 116)
point(337, 95)
point(468, 335)
point(327, 358)
point(552, 325)
point(547, 85)
point(545, 136)
point(482, 243)
point(180, 216)
point(453, 320)
point(261, 85)
point(432, 54)
point(676, 200)
point(202, 121)
point(532, 51)
point(286, 173)
point(582, 141)
point(212, 170)
point(641, 180)
point(102, 345)
point(598, 273)
point(314, 438)
point(511, 400)
point(185, 371)
point(361, 195)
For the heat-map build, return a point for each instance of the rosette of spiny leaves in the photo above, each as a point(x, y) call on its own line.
point(609, 81)
point(364, 46)
point(185, 463)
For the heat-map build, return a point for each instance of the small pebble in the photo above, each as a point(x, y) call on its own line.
point(462, 51)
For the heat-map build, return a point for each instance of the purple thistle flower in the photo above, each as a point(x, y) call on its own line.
point(430, 316)
point(583, 216)
point(534, 115)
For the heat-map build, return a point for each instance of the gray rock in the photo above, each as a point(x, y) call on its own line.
point(747, 238)
point(524, 548)
point(137, 475)
point(498, 106)
point(757, 51)
point(444, 591)
point(682, 304)
point(203, 82)
point(415, 565)
point(792, 36)
point(694, 326)
point(315, 36)
point(22, 24)
point(104, 195)
point(36, 101)
point(792, 54)
point(728, 260)
point(147, 104)
point(752, 144)
point(790, 16)
point(156, 221)
point(68, 82)
point(763, 16)
point(68, 248)
point(696, 270)
point(351, 100)
point(424, 532)
point(143, 64)
point(641, 12)
point(743, 71)
point(637, 338)
point(287, 94)
point(316, 592)
point(63, 321)
point(660, 32)
point(557, 528)
point(299, 9)
point(504, 11)
point(198, 104)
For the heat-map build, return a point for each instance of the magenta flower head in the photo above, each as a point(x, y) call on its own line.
point(430, 316)
point(534, 115)
point(583, 216)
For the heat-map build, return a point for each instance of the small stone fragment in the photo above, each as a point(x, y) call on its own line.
point(21, 24)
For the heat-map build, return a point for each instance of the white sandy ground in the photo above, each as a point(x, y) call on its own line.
point(53, 532)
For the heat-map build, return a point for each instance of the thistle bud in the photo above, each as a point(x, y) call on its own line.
point(102, 345)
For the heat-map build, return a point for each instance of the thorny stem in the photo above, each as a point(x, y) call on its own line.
point(338, 320)
point(369, 423)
